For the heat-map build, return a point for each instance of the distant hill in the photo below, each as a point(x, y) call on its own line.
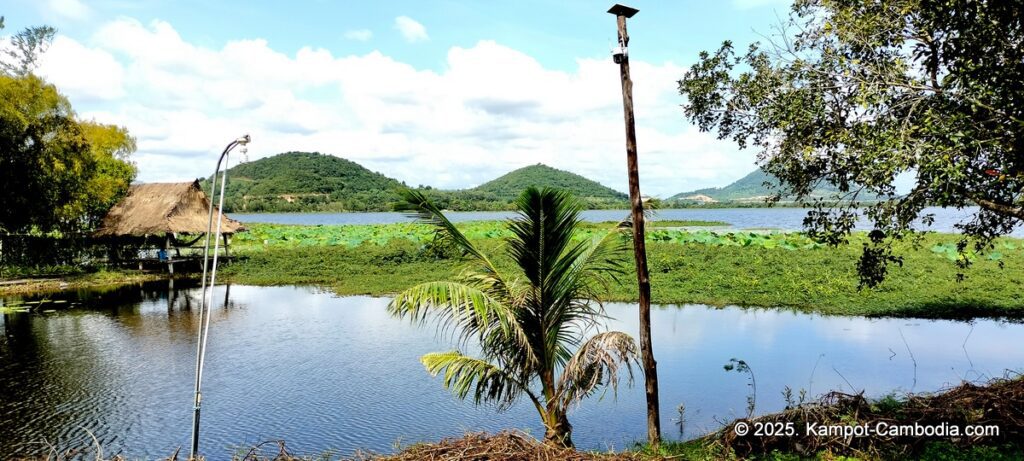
point(750, 188)
point(310, 181)
point(510, 185)
point(306, 181)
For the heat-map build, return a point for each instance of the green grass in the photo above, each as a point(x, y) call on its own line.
point(751, 269)
point(76, 278)
point(368, 269)
point(777, 270)
point(824, 279)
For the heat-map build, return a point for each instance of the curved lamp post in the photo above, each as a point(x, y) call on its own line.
point(204, 309)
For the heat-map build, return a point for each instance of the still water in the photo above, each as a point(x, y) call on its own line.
point(326, 372)
point(786, 219)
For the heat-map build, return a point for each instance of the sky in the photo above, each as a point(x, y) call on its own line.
point(442, 93)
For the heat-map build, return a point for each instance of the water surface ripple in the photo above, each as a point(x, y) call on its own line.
point(326, 372)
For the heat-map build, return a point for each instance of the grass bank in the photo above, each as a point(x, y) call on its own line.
point(815, 430)
point(687, 266)
point(54, 281)
point(994, 405)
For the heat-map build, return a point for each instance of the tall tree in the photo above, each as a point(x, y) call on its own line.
point(21, 56)
point(44, 158)
point(111, 147)
point(532, 323)
point(861, 93)
point(56, 172)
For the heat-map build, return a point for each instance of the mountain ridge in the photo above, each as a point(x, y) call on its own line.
point(315, 182)
point(748, 189)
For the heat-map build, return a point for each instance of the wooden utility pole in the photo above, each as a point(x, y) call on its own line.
point(621, 56)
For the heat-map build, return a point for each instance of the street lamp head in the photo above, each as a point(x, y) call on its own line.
point(243, 140)
point(623, 10)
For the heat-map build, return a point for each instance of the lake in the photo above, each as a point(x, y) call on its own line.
point(786, 219)
point(326, 372)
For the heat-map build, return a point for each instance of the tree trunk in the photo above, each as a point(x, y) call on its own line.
point(640, 249)
point(558, 431)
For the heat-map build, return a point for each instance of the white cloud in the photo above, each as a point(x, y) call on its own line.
point(82, 73)
point(412, 30)
point(491, 109)
point(70, 9)
point(359, 35)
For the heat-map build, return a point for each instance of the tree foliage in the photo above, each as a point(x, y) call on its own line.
point(306, 181)
point(57, 173)
point(532, 323)
point(22, 54)
point(110, 147)
point(857, 94)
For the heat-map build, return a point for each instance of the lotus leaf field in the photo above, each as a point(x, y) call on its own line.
point(705, 263)
point(680, 232)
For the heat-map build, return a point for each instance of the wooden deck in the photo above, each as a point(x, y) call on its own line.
point(172, 259)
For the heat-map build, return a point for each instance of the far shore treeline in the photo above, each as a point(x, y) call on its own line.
point(315, 182)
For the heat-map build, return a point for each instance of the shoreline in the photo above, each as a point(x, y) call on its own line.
point(776, 271)
point(689, 265)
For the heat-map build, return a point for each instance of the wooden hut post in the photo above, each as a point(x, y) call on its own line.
point(172, 295)
point(167, 253)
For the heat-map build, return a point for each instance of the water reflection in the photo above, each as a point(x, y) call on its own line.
point(326, 372)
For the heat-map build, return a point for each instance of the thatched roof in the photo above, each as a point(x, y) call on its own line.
point(160, 208)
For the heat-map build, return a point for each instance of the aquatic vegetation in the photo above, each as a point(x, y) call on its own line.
point(786, 241)
point(15, 306)
point(263, 235)
point(950, 251)
point(687, 266)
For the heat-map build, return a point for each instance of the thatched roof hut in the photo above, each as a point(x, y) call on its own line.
point(162, 208)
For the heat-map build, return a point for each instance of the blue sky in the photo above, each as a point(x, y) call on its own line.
point(446, 93)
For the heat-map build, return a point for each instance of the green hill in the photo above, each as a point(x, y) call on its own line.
point(750, 189)
point(306, 181)
point(510, 185)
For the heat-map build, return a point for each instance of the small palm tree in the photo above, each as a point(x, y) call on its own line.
point(532, 323)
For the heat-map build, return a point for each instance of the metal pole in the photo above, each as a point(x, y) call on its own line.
point(639, 246)
point(207, 289)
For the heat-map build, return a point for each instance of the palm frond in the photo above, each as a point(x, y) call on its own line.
point(603, 261)
point(487, 382)
point(468, 312)
point(597, 364)
point(418, 205)
point(542, 232)
point(531, 326)
point(575, 296)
